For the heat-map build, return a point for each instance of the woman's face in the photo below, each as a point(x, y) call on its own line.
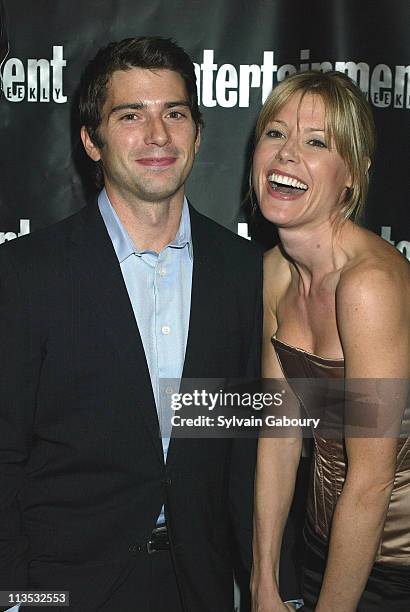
point(298, 177)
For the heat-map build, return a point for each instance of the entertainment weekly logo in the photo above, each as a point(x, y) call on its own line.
point(228, 86)
point(223, 85)
point(403, 246)
point(35, 80)
point(24, 230)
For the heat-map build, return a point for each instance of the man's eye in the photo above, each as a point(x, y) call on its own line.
point(175, 115)
point(315, 142)
point(129, 117)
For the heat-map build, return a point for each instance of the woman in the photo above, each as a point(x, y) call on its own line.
point(336, 307)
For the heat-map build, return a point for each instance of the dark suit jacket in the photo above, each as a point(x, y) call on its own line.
point(82, 477)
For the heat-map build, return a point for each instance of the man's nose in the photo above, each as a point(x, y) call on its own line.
point(157, 132)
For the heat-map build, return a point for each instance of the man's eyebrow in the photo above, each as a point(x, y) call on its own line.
point(177, 103)
point(142, 105)
point(127, 106)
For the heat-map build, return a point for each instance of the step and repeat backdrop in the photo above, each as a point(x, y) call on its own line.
point(241, 48)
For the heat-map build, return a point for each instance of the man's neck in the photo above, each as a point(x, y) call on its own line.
point(150, 225)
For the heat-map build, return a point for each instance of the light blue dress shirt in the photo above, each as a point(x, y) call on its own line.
point(159, 287)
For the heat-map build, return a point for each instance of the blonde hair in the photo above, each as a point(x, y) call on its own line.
point(349, 125)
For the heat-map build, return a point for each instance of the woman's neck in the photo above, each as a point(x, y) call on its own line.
point(316, 251)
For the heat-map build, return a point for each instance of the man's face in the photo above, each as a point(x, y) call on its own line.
point(148, 137)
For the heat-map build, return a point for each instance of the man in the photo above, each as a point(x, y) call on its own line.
point(94, 312)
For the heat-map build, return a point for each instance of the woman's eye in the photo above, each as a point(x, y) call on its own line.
point(274, 134)
point(315, 142)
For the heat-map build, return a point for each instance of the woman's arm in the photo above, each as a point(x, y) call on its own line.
point(373, 319)
point(277, 463)
point(278, 459)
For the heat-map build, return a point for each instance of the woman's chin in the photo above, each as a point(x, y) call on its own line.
point(280, 215)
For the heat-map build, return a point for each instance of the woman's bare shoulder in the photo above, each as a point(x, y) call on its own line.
point(372, 310)
point(376, 267)
point(276, 266)
point(276, 274)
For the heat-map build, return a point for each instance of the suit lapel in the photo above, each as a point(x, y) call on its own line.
point(205, 304)
point(96, 265)
point(204, 297)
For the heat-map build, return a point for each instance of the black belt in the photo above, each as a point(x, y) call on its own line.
point(158, 540)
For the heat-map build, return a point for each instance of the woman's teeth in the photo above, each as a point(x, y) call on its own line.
point(286, 181)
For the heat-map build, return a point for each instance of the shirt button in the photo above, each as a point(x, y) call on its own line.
point(169, 390)
point(165, 329)
point(162, 271)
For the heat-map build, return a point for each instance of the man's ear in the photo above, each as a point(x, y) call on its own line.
point(90, 148)
point(197, 139)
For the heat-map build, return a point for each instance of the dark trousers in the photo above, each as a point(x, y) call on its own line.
point(150, 586)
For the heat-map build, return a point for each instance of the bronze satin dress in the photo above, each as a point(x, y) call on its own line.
point(388, 587)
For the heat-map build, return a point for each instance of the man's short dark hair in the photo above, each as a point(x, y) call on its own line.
point(150, 52)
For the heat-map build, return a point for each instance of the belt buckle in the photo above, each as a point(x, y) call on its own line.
point(150, 549)
point(151, 542)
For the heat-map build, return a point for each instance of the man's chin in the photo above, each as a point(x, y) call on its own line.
point(149, 191)
point(157, 194)
point(156, 197)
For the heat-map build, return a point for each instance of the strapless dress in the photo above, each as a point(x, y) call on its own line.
point(388, 587)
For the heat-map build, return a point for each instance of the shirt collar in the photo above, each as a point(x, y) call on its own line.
point(122, 243)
